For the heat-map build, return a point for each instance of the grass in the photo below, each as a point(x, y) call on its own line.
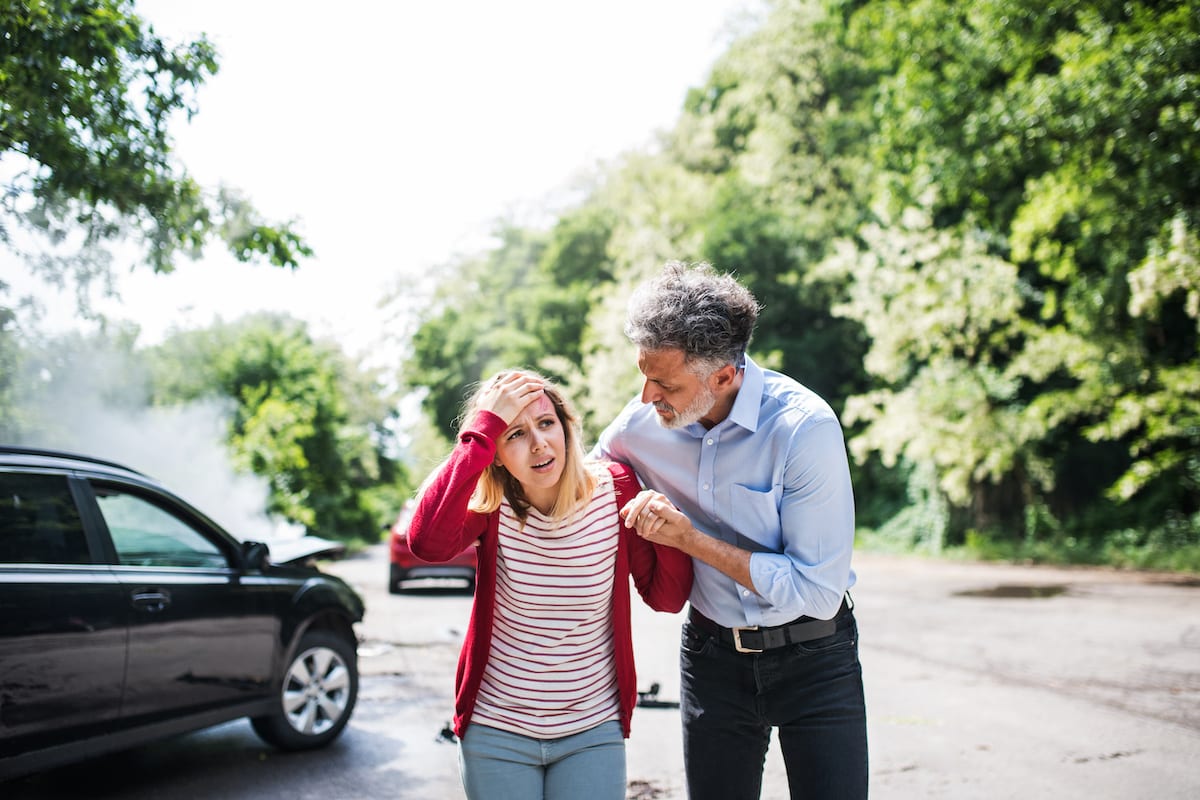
point(1122, 550)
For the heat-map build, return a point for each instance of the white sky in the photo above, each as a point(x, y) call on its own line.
point(396, 133)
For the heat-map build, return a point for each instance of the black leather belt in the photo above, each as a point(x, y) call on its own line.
point(757, 639)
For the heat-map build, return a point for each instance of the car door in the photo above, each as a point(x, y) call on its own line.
point(201, 635)
point(63, 618)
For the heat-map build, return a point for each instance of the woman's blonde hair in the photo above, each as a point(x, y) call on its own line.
point(575, 487)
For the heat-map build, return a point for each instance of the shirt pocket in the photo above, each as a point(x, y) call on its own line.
point(755, 515)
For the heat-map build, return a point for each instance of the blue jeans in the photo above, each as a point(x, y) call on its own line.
point(812, 692)
point(498, 765)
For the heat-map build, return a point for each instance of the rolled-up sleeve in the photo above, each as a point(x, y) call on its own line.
point(442, 525)
point(817, 519)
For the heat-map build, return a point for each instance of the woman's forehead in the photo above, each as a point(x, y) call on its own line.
point(536, 410)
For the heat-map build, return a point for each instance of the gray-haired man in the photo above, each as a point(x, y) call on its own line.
point(747, 473)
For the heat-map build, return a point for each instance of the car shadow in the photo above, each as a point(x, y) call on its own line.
point(174, 767)
point(230, 762)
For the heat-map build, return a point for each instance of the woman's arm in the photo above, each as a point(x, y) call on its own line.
point(441, 525)
point(662, 575)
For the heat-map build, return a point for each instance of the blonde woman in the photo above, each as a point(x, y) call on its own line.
point(546, 682)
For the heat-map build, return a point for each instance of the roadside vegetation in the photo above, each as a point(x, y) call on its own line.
point(975, 229)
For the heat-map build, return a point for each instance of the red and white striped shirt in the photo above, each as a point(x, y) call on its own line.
point(550, 670)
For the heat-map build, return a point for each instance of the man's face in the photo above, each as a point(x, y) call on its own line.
point(679, 396)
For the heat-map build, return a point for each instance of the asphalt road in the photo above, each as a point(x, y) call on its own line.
point(982, 681)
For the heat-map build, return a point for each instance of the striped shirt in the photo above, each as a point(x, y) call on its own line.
point(550, 670)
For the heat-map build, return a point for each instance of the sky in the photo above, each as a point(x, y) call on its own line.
point(396, 134)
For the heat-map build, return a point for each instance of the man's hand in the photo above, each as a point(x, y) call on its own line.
point(657, 520)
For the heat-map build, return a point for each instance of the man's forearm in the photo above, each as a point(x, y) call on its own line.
point(722, 556)
point(657, 520)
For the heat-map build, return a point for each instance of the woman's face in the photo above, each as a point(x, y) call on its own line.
point(534, 450)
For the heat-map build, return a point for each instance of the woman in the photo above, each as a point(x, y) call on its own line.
point(546, 684)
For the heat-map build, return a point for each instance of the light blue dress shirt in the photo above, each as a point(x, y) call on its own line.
point(772, 477)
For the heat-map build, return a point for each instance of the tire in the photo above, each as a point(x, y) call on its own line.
point(395, 577)
point(316, 696)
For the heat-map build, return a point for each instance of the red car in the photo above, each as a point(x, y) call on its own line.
point(405, 566)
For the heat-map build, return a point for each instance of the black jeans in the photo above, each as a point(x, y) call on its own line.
point(812, 692)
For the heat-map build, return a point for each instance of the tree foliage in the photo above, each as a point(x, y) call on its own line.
point(1050, 150)
point(88, 95)
point(306, 418)
point(260, 396)
point(974, 227)
point(501, 309)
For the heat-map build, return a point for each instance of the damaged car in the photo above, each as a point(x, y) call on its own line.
point(127, 615)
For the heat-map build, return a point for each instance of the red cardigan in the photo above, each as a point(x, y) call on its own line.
point(442, 526)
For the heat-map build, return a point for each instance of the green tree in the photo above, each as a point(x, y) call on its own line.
point(975, 224)
point(776, 141)
point(523, 304)
point(88, 94)
point(317, 426)
point(1037, 317)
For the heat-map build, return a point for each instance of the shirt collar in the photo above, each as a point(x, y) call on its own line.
point(749, 397)
point(748, 402)
point(745, 406)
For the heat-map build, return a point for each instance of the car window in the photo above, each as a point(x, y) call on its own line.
point(146, 535)
point(39, 523)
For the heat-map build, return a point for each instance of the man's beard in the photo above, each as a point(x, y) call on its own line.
point(700, 405)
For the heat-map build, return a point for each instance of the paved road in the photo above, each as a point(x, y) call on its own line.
point(988, 681)
point(983, 681)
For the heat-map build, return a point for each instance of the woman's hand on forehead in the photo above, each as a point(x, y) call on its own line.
point(509, 393)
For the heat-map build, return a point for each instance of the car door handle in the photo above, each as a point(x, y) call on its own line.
point(153, 601)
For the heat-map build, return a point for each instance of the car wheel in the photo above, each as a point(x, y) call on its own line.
point(316, 696)
point(395, 577)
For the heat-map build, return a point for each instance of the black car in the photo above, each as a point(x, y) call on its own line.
point(126, 615)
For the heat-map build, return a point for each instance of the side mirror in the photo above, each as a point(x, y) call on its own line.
point(255, 555)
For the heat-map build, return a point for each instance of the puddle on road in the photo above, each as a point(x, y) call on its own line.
point(1016, 591)
point(1186, 581)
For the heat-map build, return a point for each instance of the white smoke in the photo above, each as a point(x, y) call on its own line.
point(92, 402)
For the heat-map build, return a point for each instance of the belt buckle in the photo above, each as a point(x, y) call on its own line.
point(737, 639)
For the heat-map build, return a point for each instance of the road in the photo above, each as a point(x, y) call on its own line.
point(982, 681)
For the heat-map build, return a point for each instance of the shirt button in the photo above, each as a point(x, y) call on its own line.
point(706, 487)
point(745, 592)
point(710, 441)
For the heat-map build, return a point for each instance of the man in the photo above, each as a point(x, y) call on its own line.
point(747, 473)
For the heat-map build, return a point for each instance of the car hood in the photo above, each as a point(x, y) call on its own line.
point(299, 550)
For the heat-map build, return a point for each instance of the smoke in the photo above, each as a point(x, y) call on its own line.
point(89, 398)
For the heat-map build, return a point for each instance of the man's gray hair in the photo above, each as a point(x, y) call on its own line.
point(707, 315)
